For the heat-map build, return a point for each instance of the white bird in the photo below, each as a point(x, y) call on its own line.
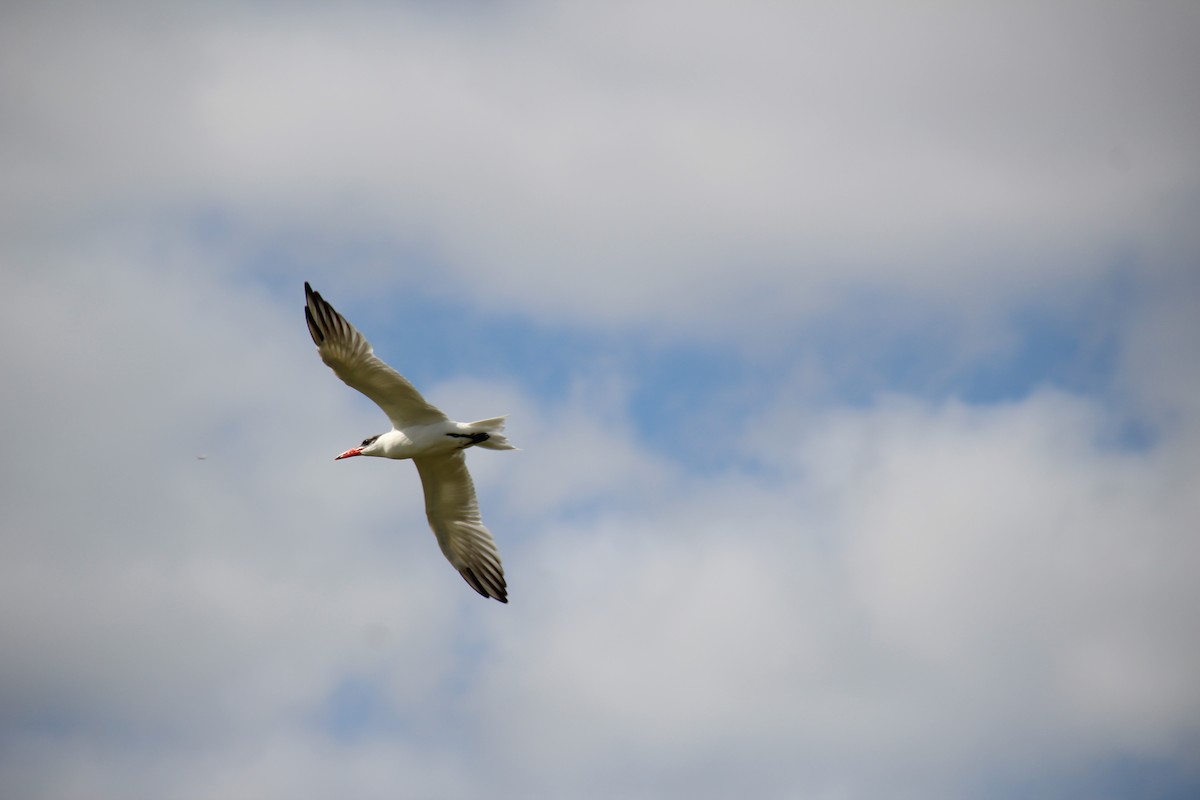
point(433, 441)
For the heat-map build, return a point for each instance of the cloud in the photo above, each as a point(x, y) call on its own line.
point(983, 587)
point(909, 594)
point(733, 275)
point(610, 166)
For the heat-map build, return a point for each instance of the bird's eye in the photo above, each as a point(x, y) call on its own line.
point(369, 441)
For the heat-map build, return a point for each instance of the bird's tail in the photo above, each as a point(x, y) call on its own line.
point(492, 427)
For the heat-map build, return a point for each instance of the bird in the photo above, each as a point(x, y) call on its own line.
point(435, 443)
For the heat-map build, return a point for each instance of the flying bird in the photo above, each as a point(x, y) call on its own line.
point(421, 432)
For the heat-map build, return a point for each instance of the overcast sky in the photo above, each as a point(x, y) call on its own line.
point(852, 349)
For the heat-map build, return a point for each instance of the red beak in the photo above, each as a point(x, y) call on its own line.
point(353, 451)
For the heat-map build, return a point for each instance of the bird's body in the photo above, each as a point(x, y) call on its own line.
point(437, 438)
point(420, 432)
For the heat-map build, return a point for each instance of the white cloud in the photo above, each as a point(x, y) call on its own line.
point(984, 588)
point(151, 589)
point(613, 165)
point(906, 598)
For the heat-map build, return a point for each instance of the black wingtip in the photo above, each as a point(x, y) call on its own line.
point(311, 296)
point(318, 336)
point(319, 315)
point(493, 590)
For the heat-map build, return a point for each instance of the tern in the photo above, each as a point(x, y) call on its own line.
point(421, 432)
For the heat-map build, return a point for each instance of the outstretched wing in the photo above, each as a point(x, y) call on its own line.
point(453, 514)
point(349, 355)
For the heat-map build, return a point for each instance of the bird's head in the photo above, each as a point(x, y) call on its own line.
point(371, 446)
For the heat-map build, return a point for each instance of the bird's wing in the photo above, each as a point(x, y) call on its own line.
point(453, 514)
point(349, 355)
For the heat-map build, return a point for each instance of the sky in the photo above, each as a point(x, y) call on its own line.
point(851, 349)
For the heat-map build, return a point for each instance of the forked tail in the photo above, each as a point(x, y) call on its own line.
point(492, 427)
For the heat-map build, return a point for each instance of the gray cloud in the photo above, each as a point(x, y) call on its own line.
point(627, 156)
point(983, 589)
point(907, 597)
point(911, 596)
